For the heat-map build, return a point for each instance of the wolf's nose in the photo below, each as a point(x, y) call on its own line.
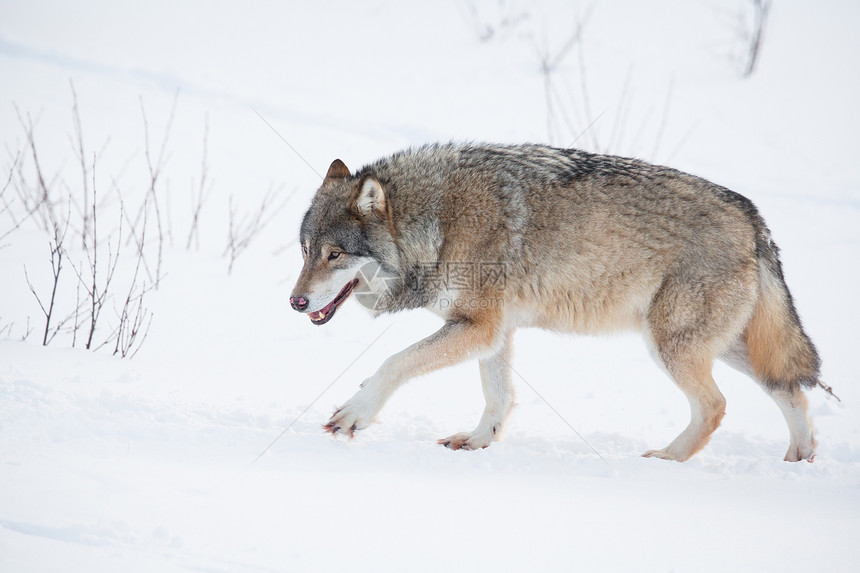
point(298, 303)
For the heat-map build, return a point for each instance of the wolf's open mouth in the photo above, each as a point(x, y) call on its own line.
point(324, 315)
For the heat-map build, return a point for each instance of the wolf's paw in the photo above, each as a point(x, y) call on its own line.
point(357, 414)
point(797, 452)
point(467, 441)
point(665, 454)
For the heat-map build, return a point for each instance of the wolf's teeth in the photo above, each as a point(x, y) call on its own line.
point(320, 315)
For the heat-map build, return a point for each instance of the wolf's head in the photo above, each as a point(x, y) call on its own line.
point(345, 238)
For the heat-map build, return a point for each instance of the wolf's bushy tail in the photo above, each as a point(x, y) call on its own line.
point(781, 353)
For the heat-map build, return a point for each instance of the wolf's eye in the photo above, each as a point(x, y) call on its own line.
point(304, 251)
point(333, 255)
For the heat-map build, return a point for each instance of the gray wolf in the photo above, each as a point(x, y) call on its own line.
point(493, 238)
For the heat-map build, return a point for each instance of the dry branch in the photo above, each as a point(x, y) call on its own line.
point(761, 8)
point(203, 192)
point(244, 228)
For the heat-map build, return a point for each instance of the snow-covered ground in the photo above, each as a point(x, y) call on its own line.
point(147, 464)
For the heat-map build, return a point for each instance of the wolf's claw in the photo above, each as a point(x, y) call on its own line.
point(661, 454)
point(357, 414)
point(335, 429)
point(466, 441)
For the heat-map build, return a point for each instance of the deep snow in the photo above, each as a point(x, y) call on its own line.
point(146, 464)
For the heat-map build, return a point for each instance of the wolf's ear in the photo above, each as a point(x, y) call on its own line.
point(370, 198)
point(337, 170)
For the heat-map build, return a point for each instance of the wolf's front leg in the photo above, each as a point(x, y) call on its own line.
point(499, 395)
point(455, 342)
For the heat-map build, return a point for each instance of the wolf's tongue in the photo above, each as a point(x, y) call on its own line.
point(324, 314)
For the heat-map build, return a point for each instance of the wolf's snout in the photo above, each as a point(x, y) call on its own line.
point(298, 303)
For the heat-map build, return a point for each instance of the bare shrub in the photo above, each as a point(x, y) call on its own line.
point(39, 203)
point(37, 198)
point(555, 104)
point(115, 252)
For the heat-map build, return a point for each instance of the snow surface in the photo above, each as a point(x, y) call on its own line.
point(147, 464)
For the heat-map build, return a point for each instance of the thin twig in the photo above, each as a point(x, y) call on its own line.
point(154, 173)
point(16, 223)
point(139, 242)
point(761, 9)
point(203, 193)
point(828, 389)
point(43, 205)
point(79, 137)
point(242, 230)
point(133, 314)
point(57, 255)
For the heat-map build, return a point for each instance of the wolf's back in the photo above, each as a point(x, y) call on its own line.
point(524, 183)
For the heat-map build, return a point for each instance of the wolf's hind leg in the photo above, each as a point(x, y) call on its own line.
point(499, 395)
point(790, 400)
point(707, 408)
point(687, 320)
